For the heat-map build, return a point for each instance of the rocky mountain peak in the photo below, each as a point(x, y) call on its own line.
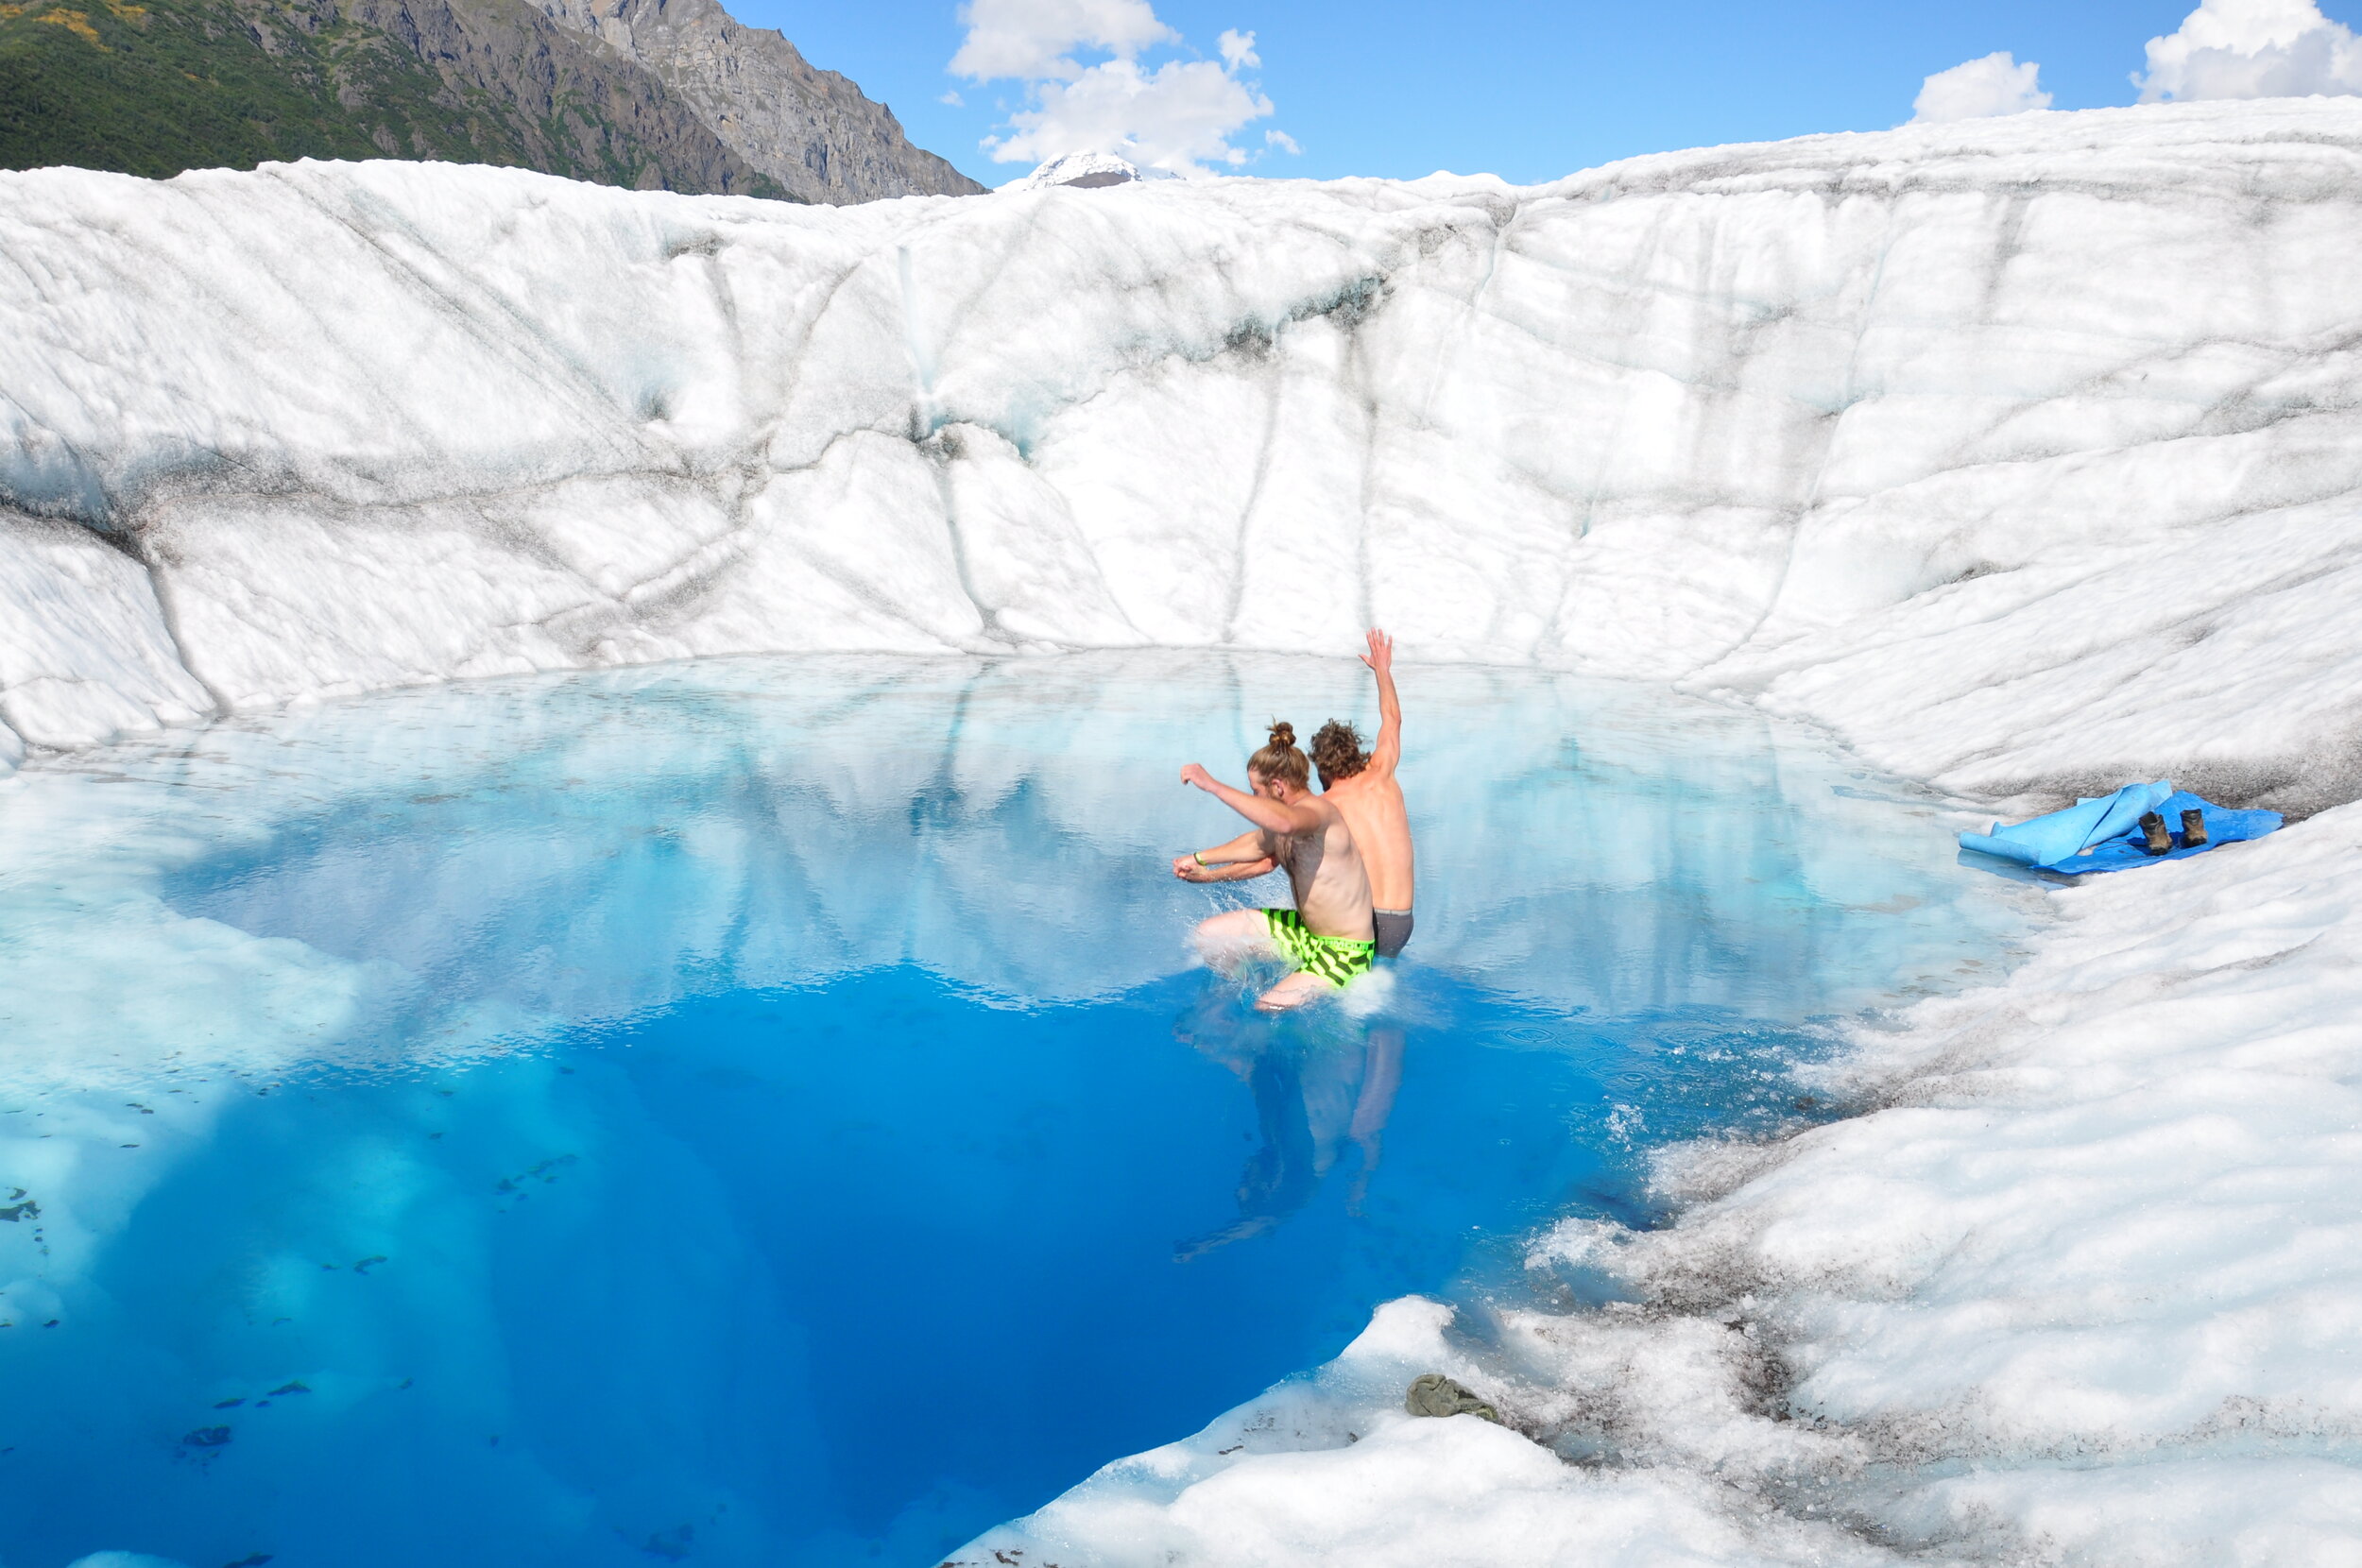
point(813, 132)
point(654, 94)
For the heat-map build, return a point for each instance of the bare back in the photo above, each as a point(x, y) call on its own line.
point(1370, 803)
point(1324, 867)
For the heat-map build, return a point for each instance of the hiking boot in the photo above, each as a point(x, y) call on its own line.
point(2157, 840)
point(2193, 829)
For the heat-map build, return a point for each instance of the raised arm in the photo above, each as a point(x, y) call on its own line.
point(1244, 857)
point(1273, 816)
point(1388, 749)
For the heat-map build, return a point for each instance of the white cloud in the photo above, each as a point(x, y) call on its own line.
point(1281, 139)
point(1029, 40)
point(1179, 115)
point(2252, 49)
point(1996, 84)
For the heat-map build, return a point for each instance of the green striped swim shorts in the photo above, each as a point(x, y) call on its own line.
point(1334, 959)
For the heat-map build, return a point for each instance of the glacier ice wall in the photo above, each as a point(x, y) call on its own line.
point(1997, 447)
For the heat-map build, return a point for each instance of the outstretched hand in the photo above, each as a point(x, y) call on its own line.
point(1381, 655)
point(1196, 774)
point(1187, 868)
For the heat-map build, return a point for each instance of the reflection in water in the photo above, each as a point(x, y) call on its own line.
point(737, 1112)
point(1381, 1076)
point(1313, 1099)
point(467, 862)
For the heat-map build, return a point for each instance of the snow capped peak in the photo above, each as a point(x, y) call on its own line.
point(1083, 170)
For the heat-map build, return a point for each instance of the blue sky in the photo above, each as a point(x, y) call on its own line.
point(1524, 90)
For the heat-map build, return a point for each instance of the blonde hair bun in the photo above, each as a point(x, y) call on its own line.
point(1280, 757)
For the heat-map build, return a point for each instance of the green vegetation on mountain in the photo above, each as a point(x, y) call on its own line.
point(165, 85)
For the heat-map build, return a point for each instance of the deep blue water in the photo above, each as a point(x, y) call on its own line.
point(760, 1113)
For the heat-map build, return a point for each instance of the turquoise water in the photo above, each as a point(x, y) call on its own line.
point(762, 1112)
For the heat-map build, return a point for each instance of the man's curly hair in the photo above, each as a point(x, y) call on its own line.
point(1336, 752)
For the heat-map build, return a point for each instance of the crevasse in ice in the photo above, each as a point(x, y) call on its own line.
point(772, 1097)
point(2021, 453)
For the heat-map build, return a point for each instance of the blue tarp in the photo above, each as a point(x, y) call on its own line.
point(2103, 832)
point(2047, 841)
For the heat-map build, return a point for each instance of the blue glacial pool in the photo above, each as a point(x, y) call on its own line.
point(762, 1112)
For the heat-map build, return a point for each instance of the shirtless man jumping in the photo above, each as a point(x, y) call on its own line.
point(1362, 789)
point(1327, 936)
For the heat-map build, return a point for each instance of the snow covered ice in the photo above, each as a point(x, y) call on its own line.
point(2022, 454)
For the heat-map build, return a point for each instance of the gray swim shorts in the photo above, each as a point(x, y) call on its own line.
point(1393, 929)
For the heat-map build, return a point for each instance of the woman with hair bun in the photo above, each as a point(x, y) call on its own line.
point(1328, 935)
